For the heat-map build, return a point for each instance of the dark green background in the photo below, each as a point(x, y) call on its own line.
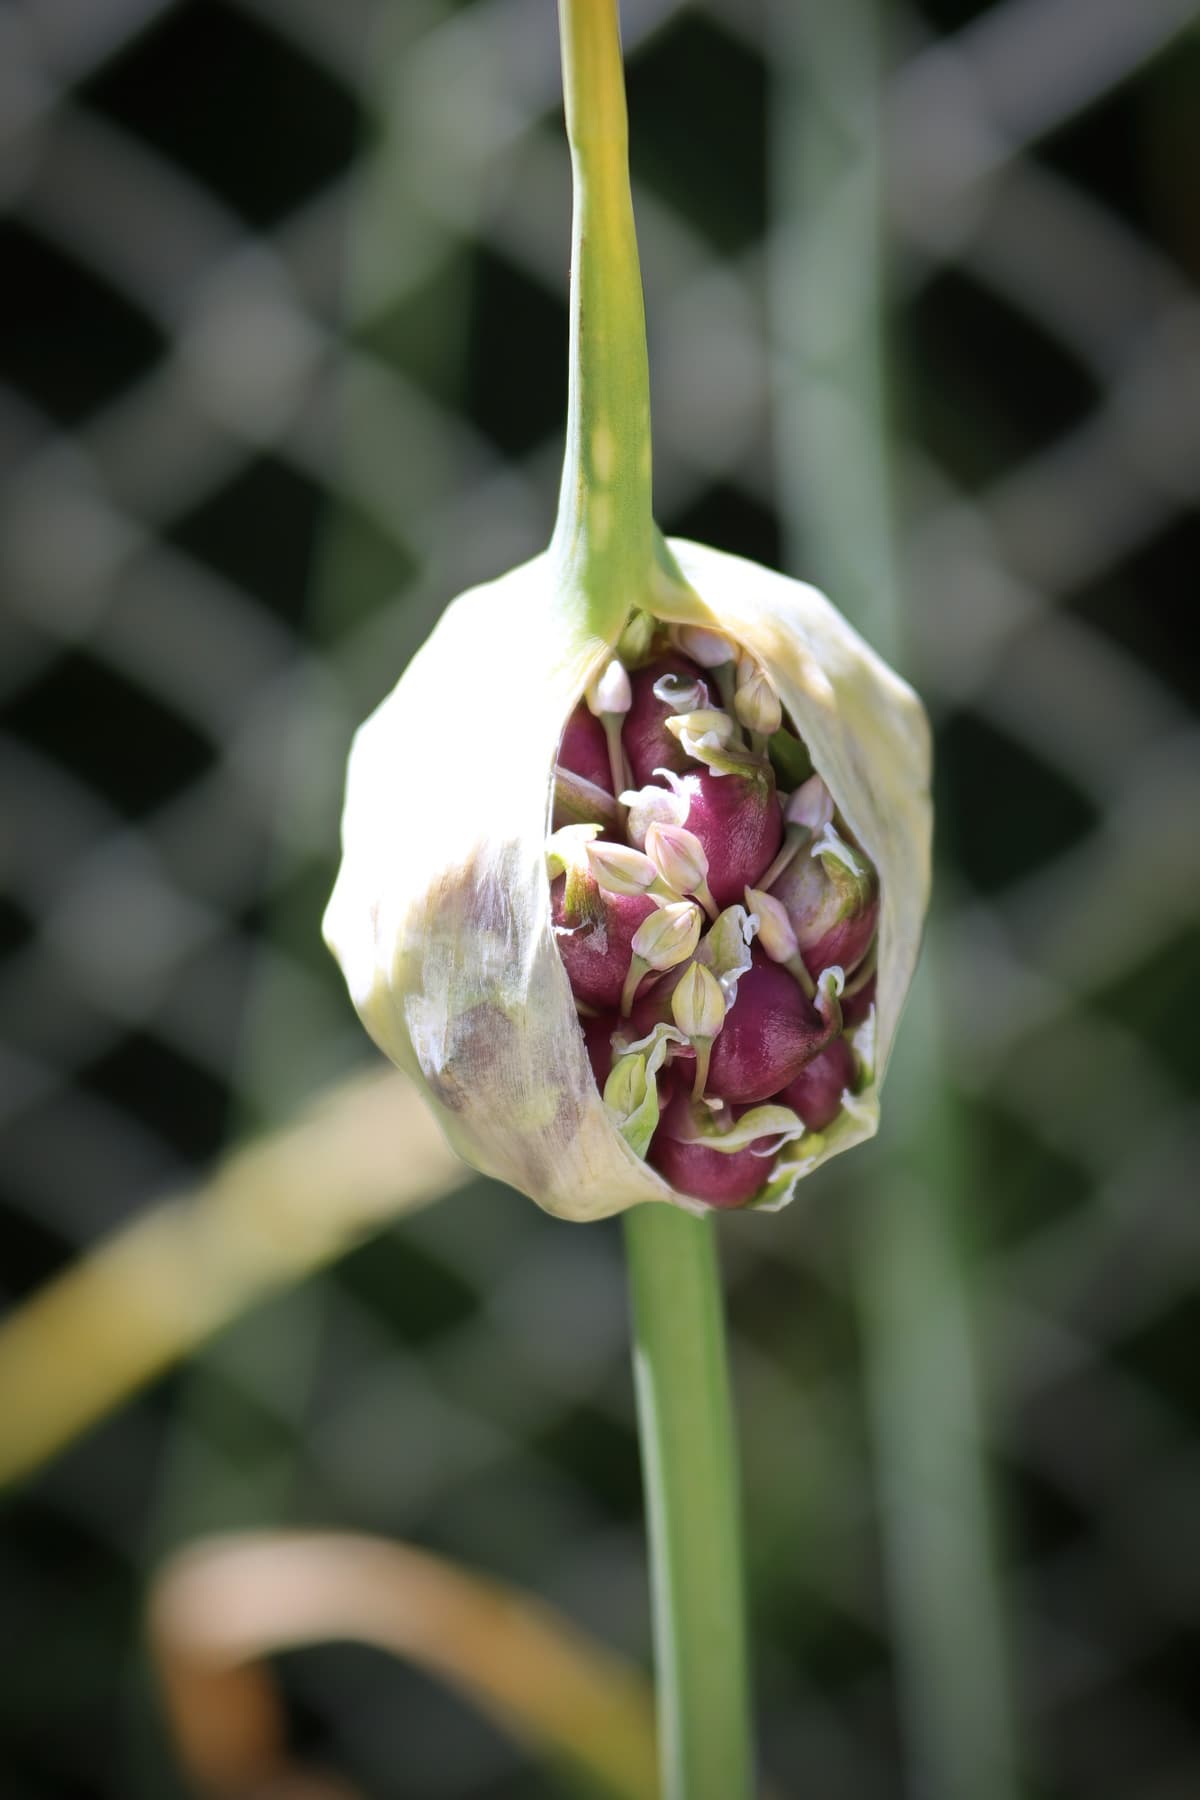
point(462, 1382)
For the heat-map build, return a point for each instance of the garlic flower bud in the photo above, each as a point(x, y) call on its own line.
point(611, 692)
point(663, 941)
point(582, 1028)
point(755, 702)
point(441, 917)
point(680, 858)
point(705, 646)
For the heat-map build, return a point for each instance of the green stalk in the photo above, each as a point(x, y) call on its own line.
point(603, 542)
point(912, 1277)
point(604, 549)
point(689, 1463)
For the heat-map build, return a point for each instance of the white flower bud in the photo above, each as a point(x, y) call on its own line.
point(698, 1005)
point(777, 936)
point(811, 805)
point(679, 854)
point(701, 726)
point(682, 862)
point(807, 816)
point(708, 648)
point(663, 941)
point(611, 692)
point(622, 870)
point(775, 932)
point(669, 936)
point(654, 805)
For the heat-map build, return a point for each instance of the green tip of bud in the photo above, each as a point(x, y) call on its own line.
point(756, 703)
point(625, 1089)
point(567, 848)
point(633, 646)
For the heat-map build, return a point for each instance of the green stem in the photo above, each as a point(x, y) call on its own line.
point(913, 1279)
point(603, 541)
point(606, 552)
point(690, 1477)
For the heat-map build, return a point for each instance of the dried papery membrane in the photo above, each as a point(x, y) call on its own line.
point(441, 913)
point(441, 916)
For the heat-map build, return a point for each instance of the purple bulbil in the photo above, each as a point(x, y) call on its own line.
point(770, 1032)
point(855, 1007)
point(736, 818)
point(594, 934)
point(720, 1180)
point(597, 1037)
point(648, 743)
point(583, 748)
point(815, 1094)
point(834, 920)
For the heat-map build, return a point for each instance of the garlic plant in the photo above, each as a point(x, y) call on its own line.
point(644, 758)
point(636, 857)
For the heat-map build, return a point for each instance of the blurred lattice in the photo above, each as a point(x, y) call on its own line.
point(185, 653)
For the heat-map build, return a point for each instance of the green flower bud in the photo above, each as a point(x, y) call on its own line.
point(708, 728)
point(777, 937)
point(756, 703)
point(663, 941)
point(669, 936)
point(698, 1008)
point(697, 1004)
point(775, 932)
point(623, 870)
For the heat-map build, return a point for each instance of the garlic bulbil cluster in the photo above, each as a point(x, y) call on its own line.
point(639, 915)
point(717, 922)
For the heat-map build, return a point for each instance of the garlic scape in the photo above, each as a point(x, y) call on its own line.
point(549, 921)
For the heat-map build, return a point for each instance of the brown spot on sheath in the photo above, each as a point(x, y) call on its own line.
point(485, 1076)
point(478, 1044)
point(447, 1089)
